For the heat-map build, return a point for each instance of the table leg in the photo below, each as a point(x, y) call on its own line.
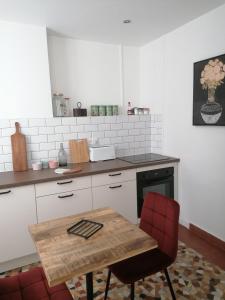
point(89, 286)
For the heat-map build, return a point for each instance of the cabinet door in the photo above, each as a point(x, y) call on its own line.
point(63, 204)
point(120, 196)
point(17, 211)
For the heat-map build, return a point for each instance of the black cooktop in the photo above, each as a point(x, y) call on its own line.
point(141, 158)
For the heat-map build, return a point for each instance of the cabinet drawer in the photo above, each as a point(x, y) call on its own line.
point(61, 186)
point(120, 196)
point(62, 205)
point(113, 177)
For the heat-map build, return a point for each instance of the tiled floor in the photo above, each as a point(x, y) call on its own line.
point(192, 276)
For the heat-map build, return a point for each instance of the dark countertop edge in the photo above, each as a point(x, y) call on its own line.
point(56, 177)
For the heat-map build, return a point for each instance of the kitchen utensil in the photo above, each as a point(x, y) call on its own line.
point(79, 151)
point(79, 112)
point(19, 151)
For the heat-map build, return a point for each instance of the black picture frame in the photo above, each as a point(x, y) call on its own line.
point(209, 92)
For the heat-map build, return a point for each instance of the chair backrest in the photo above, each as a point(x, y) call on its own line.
point(159, 218)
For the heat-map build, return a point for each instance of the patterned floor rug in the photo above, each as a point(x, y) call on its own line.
point(191, 275)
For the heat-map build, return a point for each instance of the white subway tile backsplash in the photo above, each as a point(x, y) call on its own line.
point(39, 155)
point(77, 128)
point(116, 126)
point(8, 167)
point(84, 135)
point(39, 138)
point(5, 158)
point(116, 140)
point(139, 125)
point(90, 128)
point(139, 138)
point(55, 137)
point(97, 120)
point(6, 149)
point(128, 125)
point(46, 130)
point(5, 141)
point(69, 121)
point(123, 132)
point(33, 147)
point(128, 138)
point(111, 133)
point(29, 130)
point(4, 123)
point(130, 135)
point(8, 131)
point(69, 136)
point(104, 127)
point(111, 119)
point(62, 129)
point(83, 120)
point(135, 131)
point(53, 122)
point(47, 146)
point(36, 122)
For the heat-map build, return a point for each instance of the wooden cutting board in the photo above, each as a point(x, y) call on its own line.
point(79, 151)
point(19, 150)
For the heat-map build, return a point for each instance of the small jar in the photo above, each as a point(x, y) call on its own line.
point(102, 110)
point(109, 110)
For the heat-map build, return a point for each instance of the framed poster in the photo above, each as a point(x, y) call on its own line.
point(209, 92)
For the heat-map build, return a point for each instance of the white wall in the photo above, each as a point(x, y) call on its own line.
point(24, 72)
point(167, 86)
point(93, 73)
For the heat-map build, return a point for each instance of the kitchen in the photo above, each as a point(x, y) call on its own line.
point(106, 72)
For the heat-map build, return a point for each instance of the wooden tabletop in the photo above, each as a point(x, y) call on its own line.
point(64, 255)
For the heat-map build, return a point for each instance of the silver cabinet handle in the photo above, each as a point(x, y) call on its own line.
point(65, 196)
point(116, 186)
point(64, 182)
point(6, 192)
point(116, 174)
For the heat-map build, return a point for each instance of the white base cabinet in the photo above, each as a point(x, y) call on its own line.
point(63, 204)
point(119, 196)
point(18, 210)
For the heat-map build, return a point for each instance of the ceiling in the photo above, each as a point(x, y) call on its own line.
point(101, 20)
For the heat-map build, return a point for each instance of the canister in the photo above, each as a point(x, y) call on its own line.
point(102, 110)
point(94, 110)
point(109, 110)
point(115, 109)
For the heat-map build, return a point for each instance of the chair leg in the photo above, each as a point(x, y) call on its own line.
point(107, 284)
point(170, 284)
point(132, 291)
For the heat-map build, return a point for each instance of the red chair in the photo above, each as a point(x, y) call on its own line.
point(31, 285)
point(159, 218)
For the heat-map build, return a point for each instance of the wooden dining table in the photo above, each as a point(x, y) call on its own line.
point(64, 256)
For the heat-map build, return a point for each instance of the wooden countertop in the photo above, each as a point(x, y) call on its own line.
point(14, 179)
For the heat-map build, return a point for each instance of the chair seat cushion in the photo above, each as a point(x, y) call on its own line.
point(140, 266)
point(31, 285)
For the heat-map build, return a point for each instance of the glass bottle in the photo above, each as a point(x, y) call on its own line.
point(62, 156)
point(129, 110)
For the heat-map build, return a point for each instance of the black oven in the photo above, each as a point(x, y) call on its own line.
point(158, 180)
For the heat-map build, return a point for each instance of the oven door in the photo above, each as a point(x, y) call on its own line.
point(164, 186)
